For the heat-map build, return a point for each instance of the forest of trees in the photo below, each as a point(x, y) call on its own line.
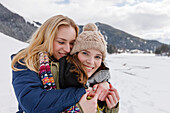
point(163, 50)
point(111, 49)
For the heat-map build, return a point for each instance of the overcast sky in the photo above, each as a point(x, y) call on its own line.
point(148, 19)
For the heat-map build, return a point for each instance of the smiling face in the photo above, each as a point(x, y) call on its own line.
point(91, 60)
point(63, 41)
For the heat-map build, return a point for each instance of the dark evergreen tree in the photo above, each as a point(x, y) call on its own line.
point(163, 49)
point(111, 48)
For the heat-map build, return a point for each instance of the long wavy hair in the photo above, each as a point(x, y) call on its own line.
point(79, 69)
point(42, 41)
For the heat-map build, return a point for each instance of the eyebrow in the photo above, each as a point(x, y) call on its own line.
point(99, 54)
point(63, 39)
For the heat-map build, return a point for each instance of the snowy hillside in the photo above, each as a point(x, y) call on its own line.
point(8, 46)
point(141, 79)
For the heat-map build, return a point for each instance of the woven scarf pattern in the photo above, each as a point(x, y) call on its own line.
point(48, 80)
point(72, 109)
point(45, 72)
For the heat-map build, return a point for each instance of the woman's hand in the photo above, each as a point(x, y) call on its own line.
point(88, 106)
point(112, 98)
point(102, 89)
point(106, 93)
point(90, 90)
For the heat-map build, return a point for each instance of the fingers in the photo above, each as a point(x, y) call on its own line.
point(95, 97)
point(88, 106)
point(106, 93)
point(112, 99)
point(94, 103)
point(84, 97)
point(95, 86)
point(116, 92)
point(100, 87)
point(103, 95)
point(89, 89)
point(98, 90)
point(110, 85)
point(108, 103)
point(91, 94)
point(102, 90)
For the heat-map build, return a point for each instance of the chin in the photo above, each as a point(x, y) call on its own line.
point(89, 75)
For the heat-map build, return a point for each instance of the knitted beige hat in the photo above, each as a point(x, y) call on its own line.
point(90, 38)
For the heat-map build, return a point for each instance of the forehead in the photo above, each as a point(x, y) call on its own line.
point(66, 32)
point(93, 51)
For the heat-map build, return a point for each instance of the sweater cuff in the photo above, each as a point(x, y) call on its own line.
point(113, 110)
point(79, 93)
point(79, 106)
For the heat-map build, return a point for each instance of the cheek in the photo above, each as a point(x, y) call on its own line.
point(55, 46)
point(80, 57)
point(98, 64)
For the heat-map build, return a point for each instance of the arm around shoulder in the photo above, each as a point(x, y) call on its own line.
point(33, 98)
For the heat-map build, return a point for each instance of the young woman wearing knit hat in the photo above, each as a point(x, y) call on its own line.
point(56, 37)
point(84, 68)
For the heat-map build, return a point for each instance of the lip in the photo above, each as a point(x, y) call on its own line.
point(63, 54)
point(88, 68)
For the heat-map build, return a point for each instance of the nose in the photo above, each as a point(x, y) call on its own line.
point(90, 60)
point(67, 48)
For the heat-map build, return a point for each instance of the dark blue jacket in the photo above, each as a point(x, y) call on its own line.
point(32, 98)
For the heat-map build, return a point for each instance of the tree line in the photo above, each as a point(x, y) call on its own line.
point(163, 50)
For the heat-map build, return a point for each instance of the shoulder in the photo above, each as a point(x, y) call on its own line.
point(12, 56)
point(64, 64)
point(20, 64)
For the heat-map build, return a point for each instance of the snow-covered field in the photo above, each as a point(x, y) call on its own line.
point(142, 80)
point(8, 46)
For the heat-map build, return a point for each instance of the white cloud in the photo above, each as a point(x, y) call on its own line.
point(138, 17)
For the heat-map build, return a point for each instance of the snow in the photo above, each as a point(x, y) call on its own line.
point(142, 80)
point(31, 22)
point(8, 46)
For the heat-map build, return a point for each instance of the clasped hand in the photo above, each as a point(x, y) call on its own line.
point(102, 92)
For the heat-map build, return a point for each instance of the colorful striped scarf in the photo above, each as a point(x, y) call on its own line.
point(45, 72)
point(48, 80)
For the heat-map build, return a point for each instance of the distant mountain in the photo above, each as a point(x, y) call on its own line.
point(16, 26)
point(123, 40)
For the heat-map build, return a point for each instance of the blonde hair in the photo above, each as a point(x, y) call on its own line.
point(42, 40)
